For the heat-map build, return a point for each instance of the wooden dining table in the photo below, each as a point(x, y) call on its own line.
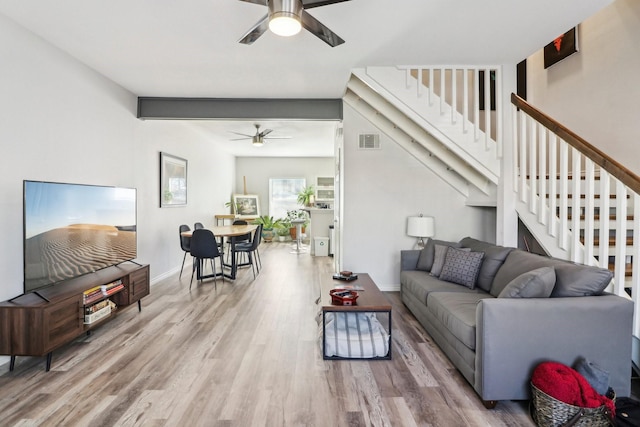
point(225, 231)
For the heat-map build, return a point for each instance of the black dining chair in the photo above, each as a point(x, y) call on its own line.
point(198, 226)
point(185, 244)
point(233, 240)
point(204, 246)
point(251, 249)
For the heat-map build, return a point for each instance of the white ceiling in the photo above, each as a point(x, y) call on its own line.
point(189, 48)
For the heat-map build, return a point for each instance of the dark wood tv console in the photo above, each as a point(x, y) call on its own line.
point(35, 324)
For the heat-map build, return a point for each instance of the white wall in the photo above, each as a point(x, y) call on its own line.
point(258, 171)
point(595, 91)
point(61, 121)
point(384, 187)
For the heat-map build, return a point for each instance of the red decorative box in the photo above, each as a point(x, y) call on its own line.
point(343, 297)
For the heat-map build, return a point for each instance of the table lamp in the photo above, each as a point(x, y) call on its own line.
point(420, 227)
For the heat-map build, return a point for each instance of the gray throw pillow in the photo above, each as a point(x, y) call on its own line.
point(438, 259)
point(425, 260)
point(536, 283)
point(461, 266)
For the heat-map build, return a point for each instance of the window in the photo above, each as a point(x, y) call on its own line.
point(283, 195)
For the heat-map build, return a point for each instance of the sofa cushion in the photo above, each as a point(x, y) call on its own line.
point(457, 312)
point(420, 284)
point(572, 280)
point(494, 257)
point(536, 283)
point(461, 267)
point(425, 261)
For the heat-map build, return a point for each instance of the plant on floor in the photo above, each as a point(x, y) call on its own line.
point(295, 215)
point(306, 195)
point(268, 224)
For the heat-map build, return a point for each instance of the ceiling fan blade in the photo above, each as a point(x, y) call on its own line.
point(242, 134)
point(315, 27)
point(308, 4)
point(254, 33)
point(239, 139)
point(265, 132)
point(277, 137)
point(262, 2)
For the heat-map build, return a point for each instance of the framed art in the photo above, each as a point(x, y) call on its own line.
point(246, 205)
point(563, 46)
point(173, 181)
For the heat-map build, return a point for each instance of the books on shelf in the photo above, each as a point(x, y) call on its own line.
point(99, 292)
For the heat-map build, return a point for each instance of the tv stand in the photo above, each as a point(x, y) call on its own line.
point(37, 323)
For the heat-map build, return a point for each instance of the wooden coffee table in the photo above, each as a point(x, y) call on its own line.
point(371, 299)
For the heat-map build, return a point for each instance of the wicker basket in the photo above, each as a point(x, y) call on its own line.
point(547, 411)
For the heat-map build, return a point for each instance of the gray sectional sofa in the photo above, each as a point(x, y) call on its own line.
point(501, 311)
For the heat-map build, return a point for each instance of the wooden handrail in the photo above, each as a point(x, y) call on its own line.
point(620, 172)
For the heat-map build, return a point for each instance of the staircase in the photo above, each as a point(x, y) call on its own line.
point(579, 204)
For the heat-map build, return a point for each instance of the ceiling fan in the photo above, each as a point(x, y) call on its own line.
point(287, 17)
point(259, 137)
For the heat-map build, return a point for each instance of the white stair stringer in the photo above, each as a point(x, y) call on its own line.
point(435, 117)
point(409, 144)
point(363, 92)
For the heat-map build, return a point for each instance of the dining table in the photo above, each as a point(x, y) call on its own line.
point(225, 231)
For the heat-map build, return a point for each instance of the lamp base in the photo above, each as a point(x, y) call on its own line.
point(420, 244)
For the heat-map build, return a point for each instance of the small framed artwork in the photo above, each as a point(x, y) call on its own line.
point(563, 46)
point(246, 205)
point(173, 181)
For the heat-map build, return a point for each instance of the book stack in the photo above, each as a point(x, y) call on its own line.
point(100, 292)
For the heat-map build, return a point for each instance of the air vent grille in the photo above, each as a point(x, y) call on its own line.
point(369, 141)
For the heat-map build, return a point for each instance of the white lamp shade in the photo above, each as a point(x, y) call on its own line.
point(420, 226)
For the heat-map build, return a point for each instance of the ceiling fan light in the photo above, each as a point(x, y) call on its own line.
point(257, 141)
point(284, 24)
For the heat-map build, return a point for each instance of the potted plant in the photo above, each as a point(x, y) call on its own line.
point(306, 195)
point(268, 224)
point(283, 231)
point(294, 215)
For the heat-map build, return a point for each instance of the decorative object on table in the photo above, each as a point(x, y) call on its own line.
point(561, 47)
point(173, 181)
point(343, 297)
point(306, 196)
point(246, 205)
point(420, 227)
point(345, 278)
point(268, 225)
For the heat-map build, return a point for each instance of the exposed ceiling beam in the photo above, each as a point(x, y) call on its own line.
point(151, 108)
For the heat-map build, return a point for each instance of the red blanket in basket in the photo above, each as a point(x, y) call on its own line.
point(567, 385)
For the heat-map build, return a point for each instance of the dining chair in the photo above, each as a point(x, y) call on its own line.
point(198, 226)
point(233, 240)
point(251, 249)
point(185, 244)
point(204, 246)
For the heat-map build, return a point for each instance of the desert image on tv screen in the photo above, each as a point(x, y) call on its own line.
point(72, 229)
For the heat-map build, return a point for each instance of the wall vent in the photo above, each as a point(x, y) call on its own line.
point(369, 141)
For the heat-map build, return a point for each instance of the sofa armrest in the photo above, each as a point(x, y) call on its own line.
point(514, 335)
point(409, 259)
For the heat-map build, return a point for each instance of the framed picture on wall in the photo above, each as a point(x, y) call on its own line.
point(564, 45)
point(246, 205)
point(173, 181)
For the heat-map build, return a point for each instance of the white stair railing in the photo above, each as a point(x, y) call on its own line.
point(581, 199)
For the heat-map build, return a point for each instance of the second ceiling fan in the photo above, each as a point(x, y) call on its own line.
point(287, 17)
point(259, 137)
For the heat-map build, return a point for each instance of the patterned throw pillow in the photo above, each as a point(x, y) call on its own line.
point(461, 267)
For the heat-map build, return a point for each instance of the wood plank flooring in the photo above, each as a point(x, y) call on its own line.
point(243, 354)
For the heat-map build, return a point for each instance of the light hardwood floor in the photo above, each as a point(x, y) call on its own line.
point(244, 354)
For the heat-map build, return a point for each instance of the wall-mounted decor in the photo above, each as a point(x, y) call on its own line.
point(173, 181)
point(246, 205)
point(563, 46)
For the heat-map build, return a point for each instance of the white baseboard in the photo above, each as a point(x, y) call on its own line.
point(390, 288)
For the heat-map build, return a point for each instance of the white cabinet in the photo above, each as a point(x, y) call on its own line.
point(324, 188)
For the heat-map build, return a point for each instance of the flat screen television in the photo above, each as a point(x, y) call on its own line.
point(74, 229)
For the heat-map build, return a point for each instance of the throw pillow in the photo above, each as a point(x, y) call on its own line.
point(461, 266)
point(425, 260)
point(438, 259)
point(536, 283)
